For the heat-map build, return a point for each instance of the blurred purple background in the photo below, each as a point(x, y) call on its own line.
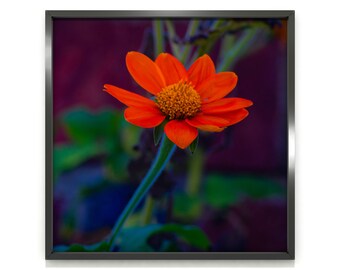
point(90, 53)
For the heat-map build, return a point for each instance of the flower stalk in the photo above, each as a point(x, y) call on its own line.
point(238, 49)
point(164, 154)
point(147, 210)
point(195, 172)
point(158, 36)
point(172, 38)
point(192, 28)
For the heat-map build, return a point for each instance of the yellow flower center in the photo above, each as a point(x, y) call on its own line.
point(179, 100)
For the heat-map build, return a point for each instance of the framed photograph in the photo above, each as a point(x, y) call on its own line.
point(170, 135)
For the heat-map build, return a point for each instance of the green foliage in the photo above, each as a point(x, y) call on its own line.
point(187, 207)
point(158, 133)
point(94, 134)
point(193, 145)
point(82, 125)
point(220, 191)
point(98, 247)
point(136, 239)
point(116, 165)
point(68, 156)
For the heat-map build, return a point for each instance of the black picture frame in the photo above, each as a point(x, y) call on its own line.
point(289, 254)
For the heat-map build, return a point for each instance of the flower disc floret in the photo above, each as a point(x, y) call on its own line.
point(179, 101)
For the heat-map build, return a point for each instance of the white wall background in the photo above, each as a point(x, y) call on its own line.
point(22, 131)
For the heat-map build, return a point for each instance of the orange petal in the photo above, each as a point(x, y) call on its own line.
point(210, 128)
point(128, 98)
point(217, 86)
point(144, 117)
point(201, 69)
point(180, 133)
point(208, 123)
point(211, 120)
point(172, 69)
point(234, 116)
point(225, 105)
point(145, 72)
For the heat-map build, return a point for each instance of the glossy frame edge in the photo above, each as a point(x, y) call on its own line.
point(51, 255)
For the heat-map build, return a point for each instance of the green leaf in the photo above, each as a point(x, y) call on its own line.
point(108, 123)
point(83, 126)
point(193, 235)
point(71, 248)
point(68, 156)
point(101, 246)
point(80, 125)
point(223, 191)
point(97, 133)
point(187, 207)
point(193, 145)
point(158, 133)
point(116, 166)
point(136, 239)
point(128, 137)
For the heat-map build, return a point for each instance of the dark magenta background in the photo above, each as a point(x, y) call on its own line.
point(90, 53)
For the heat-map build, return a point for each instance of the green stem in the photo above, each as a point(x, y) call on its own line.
point(192, 59)
point(227, 44)
point(195, 172)
point(158, 37)
point(217, 24)
point(172, 36)
point(164, 154)
point(238, 49)
point(147, 210)
point(192, 28)
point(200, 51)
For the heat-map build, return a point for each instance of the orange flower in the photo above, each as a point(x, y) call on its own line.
point(189, 99)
